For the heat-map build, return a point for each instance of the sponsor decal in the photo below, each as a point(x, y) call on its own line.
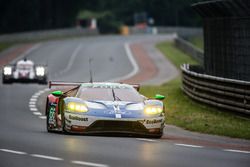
point(52, 110)
point(153, 121)
point(74, 117)
point(142, 121)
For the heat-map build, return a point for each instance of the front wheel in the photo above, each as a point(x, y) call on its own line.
point(158, 136)
point(47, 117)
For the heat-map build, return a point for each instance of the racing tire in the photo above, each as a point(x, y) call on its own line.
point(63, 125)
point(158, 136)
point(5, 81)
point(47, 117)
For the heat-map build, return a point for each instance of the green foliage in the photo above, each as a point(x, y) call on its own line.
point(86, 14)
point(189, 114)
point(109, 24)
point(23, 15)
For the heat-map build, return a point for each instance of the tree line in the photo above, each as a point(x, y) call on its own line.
point(27, 15)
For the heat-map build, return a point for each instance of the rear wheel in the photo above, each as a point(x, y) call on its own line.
point(44, 81)
point(63, 123)
point(6, 81)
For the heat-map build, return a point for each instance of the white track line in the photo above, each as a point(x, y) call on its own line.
point(72, 59)
point(88, 164)
point(13, 151)
point(33, 99)
point(46, 157)
point(37, 113)
point(149, 140)
point(40, 92)
point(32, 102)
point(237, 151)
point(32, 106)
point(42, 117)
point(188, 145)
point(133, 62)
point(33, 109)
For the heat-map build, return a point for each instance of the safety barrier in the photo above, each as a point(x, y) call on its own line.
point(224, 93)
point(47, 34)
point(181, 31)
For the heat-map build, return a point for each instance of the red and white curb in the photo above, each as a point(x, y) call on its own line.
point(33, 103)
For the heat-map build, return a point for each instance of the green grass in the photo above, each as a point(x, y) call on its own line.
point(176, 56)
point(191, 115)
point(198, 41)
point(4, 46)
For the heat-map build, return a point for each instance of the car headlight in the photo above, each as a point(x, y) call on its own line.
point(152, 110)
point(77, 107)
point(138, 106)
point(40, 71)
point(7, 71)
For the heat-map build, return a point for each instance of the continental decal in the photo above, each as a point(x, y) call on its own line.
point(72, 117)
point(154, 121)
point(142, 121)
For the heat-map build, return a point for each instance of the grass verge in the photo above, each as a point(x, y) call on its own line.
point(4, 46)
point(198, 42)
point(189, 114)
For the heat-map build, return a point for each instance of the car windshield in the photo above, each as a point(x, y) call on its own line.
point(108, 94)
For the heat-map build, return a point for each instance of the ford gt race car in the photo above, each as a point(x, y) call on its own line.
point(24, 71)
point(99, 108)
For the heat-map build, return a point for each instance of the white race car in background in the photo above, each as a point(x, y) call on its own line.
point(24, 71)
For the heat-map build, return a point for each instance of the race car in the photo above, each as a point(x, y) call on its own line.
point(24, 71)
point(100, 108)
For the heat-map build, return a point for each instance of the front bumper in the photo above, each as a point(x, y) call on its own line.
point(77, 123)
point(23, 79)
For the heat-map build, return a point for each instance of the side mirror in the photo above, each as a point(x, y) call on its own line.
point(159, 97)
point(57, 93)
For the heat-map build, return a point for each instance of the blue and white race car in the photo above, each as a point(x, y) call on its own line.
point(104, 108)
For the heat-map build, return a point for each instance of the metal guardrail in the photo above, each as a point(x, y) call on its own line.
point(47, 34)
point(181, 31)
point(224, 93)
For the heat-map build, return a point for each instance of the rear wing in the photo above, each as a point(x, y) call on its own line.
point(63, 83)
point(136, 86)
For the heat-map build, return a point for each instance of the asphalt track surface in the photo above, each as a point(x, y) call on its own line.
point(24, 140)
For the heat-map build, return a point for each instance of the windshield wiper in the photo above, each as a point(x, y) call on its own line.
point(114, 96)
